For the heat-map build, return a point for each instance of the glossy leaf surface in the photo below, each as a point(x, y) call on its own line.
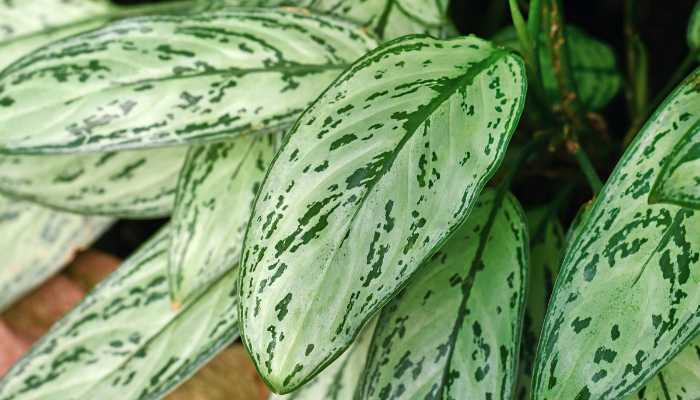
point(368, 184)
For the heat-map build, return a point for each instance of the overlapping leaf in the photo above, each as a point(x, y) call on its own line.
point(188, 78)
point(679, 380)
point(340, 380)
point(133, 184)
point(679, 180)
point(627, 297)
point(546, 244)
point(594, 67)
point(454, 332)
point(367, 185)
point(37, 242)
point(388, 19)
point(124, 341)
point(216, 191)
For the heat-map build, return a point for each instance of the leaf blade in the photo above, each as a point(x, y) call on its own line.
point(455, 331)
point(211, 71)
point(626, 254)
point(310, 230)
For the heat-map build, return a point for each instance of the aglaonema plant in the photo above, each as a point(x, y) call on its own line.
point(343, 180)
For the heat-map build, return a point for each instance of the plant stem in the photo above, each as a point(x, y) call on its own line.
point(637, 92)
point(587, 168)
point(677, 77)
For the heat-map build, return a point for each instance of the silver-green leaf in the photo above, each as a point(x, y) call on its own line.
point(216, 191)
point(37, 242)
point(190, 78)
point(340, 380)
point(124, 341)
point(454, 332)
point(367, 185)
point(127, 184)
point(679, 180)
point(627, 297)
point(546, 244)
point(679, 380)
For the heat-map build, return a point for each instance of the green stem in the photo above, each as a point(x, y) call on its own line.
point(588, 170)
point(637, 64)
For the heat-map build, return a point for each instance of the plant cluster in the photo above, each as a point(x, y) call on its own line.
point(338, 178)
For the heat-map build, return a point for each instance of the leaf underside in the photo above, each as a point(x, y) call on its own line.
point(626, 298)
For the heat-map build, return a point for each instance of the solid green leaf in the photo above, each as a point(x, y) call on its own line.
point(127, 184)
point(216, 191)
point(679, 180)
point(679, 380)
point(594, 67)
point(694, 28)
point(190, 78)
point(546, 244)
point(454, 332)
point(367, 185)
point(124, 341)
point(340, 379)
point(37, 242)
point(627, 296)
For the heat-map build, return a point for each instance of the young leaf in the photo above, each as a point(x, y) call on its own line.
point(546, 243)
point(626, 298)
point(454, 332)
point(128, 184)
point(190, 78)
point(367, 185)
point(339, 380)
point(679, 380)
point(124, 341)
point(598, 79)
point(216, 191)
point(37, 242)
point(679, 180)
point(694, 28)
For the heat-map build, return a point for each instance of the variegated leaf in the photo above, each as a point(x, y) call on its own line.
point(216, 191)
point(454, 332)
point(128, 184)
point(190, 78)
point(37, 242)
point(593, 62)
point(124, 341)
point(388, 19)
point(368, 184)
point(22, 18)
point(679, 180)
point(679, 380)
point(694, 28)
point(627, 296)
point(340, 379)
point(546, 244)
